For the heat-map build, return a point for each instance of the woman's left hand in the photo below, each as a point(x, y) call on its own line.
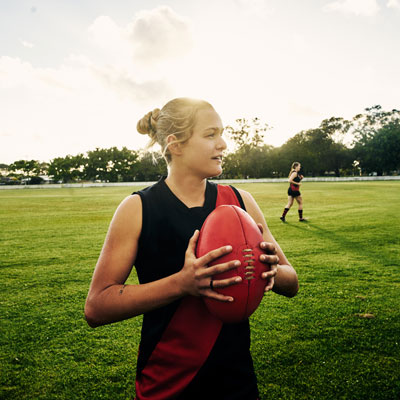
point(271, 258)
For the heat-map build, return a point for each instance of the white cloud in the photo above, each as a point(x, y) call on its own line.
point(72, 108)
point(26, 43)
point(159, 34)
point(393, 4)
point(367, 8)
point(111, 41)
point(92, 100)
point(152, 36)
point(104, 32)
point(126, 86)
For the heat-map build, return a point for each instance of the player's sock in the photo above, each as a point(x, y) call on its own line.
point(285, 211)
point(300, 214)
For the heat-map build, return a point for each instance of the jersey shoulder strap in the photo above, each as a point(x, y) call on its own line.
point(229, 195)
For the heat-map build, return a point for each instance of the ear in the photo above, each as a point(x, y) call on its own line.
point(174, 147)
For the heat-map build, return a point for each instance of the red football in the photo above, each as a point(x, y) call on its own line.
point(231, 225)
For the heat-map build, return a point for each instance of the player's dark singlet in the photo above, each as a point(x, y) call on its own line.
point(294, 189)
point(168, 224)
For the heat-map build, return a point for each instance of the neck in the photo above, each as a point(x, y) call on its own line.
point(188, 188)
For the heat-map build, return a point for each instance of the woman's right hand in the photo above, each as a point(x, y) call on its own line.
point(197, 275)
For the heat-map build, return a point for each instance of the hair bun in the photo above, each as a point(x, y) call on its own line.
point(148, 124)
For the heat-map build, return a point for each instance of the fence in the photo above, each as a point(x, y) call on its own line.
point(227, 181)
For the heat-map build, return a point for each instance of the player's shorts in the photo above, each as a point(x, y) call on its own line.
point(293, 193)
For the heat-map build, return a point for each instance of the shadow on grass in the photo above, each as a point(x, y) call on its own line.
point(342, 241)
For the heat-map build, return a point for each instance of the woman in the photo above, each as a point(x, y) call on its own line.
point(294, 192)
point(184, 353)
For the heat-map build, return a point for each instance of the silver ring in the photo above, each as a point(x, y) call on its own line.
point(211, 285)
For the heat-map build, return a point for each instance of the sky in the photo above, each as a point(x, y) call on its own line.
point(77, 75)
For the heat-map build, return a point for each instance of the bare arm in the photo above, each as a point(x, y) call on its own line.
point(282, 278)
point(110, 300)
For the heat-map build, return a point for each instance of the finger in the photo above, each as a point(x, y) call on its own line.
point(269, 259)
point(193, 242)
point(270, 285)
point(269, 274)
point(260, 227)
point(217, 296)
point(268, 247)
point(221, 283)
point(214, 254)
point(217, 269)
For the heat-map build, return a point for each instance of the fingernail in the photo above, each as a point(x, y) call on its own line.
point(237, 264)
point(228, 248)
point(238, 279)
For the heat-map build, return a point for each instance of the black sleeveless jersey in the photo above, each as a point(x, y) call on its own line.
point(168, 224)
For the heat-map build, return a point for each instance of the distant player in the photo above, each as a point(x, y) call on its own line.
point(294, 192)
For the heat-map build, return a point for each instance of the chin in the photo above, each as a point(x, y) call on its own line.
point(215, 174)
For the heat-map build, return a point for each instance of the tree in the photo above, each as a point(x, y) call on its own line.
point(250, 156)
point(122, 165)
point(25, 167)
point(66, 169)
point(247, 132)
point(151, 167)
point(376, 140)
point(96, 165)
point(111, 165)
point(316, 149)
point(380, 153)
point(364, 126)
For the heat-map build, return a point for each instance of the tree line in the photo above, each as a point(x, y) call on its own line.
point(374, 148)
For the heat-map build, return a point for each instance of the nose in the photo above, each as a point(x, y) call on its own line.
point(221, 145)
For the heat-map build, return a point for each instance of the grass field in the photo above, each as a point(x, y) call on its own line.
point(339, 338)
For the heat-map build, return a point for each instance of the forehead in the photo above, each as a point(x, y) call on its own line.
point(207, 118)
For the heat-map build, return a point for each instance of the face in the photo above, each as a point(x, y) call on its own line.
point(298, 168)
point(202, 153)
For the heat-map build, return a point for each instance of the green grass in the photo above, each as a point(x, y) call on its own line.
point(317, 345)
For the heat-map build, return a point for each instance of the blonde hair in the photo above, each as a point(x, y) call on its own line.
point(294, 165)
point(177, 117)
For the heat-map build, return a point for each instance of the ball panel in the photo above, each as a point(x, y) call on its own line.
point(219, 226)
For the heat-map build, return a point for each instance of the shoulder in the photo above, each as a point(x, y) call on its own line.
point(127, 218)
point(251, 205)
point(246, 196)
point(131, 204)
